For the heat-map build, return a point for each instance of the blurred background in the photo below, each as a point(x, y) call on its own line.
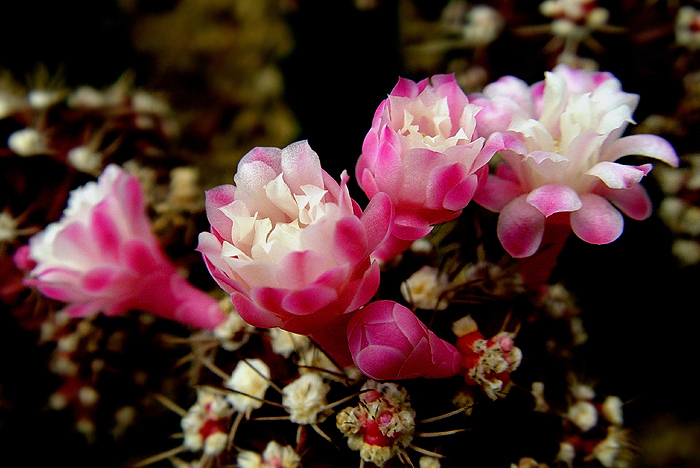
point(242, 73)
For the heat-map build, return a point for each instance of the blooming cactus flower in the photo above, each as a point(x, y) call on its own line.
point(289, 244)
point(388, 341)
point(423, 152)
point(102, 256)
point(564, 136)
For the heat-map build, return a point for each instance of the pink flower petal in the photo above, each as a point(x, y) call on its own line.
point(299, 269)
point(619, 176)
point(350, 241)
point(377, 219)
point(520, 228)
point(554, 198)
point(442, 180)
point(252, 314)
point(634, 201)
point(301, 166)
point(309, 300)
point(98, 279)
point(497, 193)
point(105, 232)
point(597, 222)
point(461, 194)
point(652, 146)
point(216, 198)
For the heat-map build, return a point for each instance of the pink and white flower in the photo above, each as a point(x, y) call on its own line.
point(387, 341)
point(102, 256)
point(424, 153)
point(289, 244)
point(563, 137)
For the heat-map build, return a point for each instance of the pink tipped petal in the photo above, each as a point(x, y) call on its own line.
point(405, 88)
point(554, 198)
point(301, 166)
point(497, 193)
point(597, 222)
point(441, 181)
point(461, 194)
point(101, 278)
point(350, 241)
point(652, 146)
point(634, 201)
point(520, 228)
point(105, 232)
point(377, 219)
point(300, 269)
point(366, 287)
point(252, 314)
point(619, 176)
point(309, 300)
point(217, 198)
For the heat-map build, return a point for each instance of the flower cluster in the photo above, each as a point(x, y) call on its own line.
point(424, 159)
point(315, 281)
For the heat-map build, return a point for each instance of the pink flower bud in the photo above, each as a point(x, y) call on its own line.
point(102, 256)
point(388, 342)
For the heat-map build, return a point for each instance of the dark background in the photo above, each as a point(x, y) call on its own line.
point(640, 308)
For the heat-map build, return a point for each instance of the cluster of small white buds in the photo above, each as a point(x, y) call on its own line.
point(428, 288)
point(274, 456)
point(382, 425)
point(559, 304)
point(676, 210)
point(569, 16)
point(594, 429)
point(249, 382)
point(206, 423)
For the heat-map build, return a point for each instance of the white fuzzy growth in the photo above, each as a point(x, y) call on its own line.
point(250, 377)
point(285, 343)
point(305, 398)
